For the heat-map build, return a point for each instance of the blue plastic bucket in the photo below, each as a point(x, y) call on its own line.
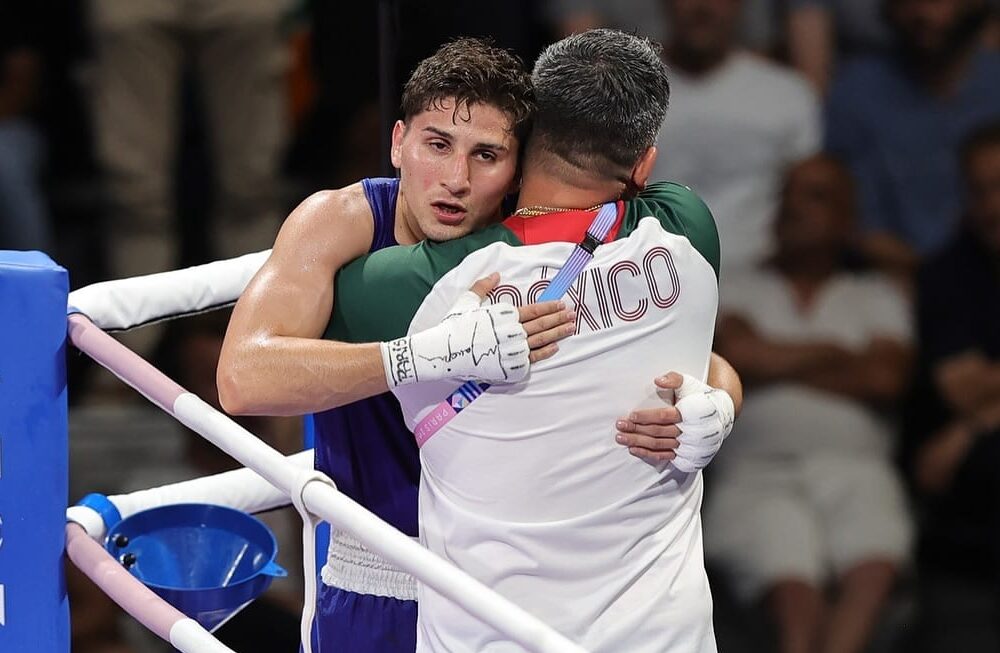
point(207, 561)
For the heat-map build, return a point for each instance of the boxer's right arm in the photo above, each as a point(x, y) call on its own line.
point(273, 361)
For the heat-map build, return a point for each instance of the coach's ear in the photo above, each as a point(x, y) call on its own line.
point(643, 168)
point(515, 184)
point(396, 152)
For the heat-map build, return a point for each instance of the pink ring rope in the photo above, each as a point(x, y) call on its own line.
point(125, 363)
point(123, 588)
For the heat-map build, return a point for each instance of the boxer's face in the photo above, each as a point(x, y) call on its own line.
point(455, 168)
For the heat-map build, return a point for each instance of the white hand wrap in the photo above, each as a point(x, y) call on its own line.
point(484, 343)
point(707, 416)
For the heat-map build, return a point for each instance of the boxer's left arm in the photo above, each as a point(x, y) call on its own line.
point(657, 434)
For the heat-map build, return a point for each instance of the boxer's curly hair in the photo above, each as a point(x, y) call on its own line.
point(472, 71)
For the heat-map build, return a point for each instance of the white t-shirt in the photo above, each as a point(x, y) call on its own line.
point(527, 490)
point(730, 135)
point(785, 419)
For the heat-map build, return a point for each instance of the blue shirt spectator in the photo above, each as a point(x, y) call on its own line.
point(900, 140)
point(952, 436)
point(858, 24)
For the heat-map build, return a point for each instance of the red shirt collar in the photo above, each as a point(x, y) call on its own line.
point(562, 227)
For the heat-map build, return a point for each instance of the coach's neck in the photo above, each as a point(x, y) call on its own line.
point(549, 180)
point(554, 181)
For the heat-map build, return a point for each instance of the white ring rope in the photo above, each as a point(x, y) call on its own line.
point(241, 489)
point(318, 497)
point(127, 303)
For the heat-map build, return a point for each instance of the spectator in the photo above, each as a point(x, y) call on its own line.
point(897, 120)
point(822, 31)
point(236, 52)
point(736, 122)
point(953, 440)
point(644, 17)
point(804, 496)
point(758, 28)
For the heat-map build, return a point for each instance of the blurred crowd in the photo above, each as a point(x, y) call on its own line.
point(849, 150)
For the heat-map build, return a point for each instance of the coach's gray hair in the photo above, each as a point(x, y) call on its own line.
point(602, 96)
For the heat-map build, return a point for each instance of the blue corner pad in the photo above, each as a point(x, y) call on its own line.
point(28, 259)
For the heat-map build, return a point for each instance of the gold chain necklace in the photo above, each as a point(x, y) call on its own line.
point(535, 211)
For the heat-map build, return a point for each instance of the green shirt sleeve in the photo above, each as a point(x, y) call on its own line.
point(377, 295)
point(680, 211)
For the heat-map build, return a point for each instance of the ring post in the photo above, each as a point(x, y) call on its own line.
point(34, 612)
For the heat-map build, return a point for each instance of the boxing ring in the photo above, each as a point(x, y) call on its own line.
point(35, 527)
